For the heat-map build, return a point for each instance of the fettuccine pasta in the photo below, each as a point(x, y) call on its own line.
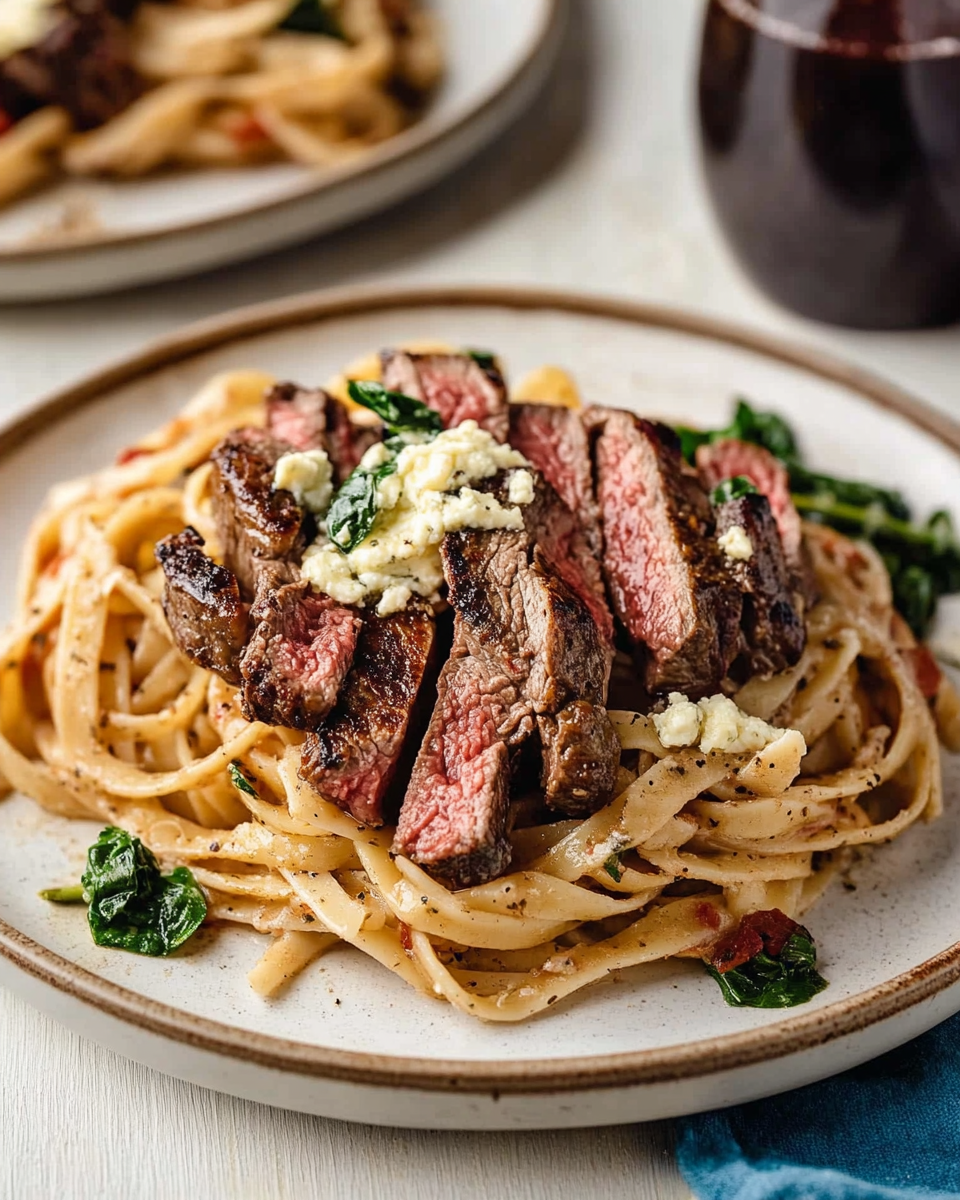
point(102, 718)
point(224, 85)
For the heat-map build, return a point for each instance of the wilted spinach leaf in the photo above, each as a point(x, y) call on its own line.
point(766, 982)
point(314, 16)
point(354, 508)
point(239, 779)
point(400, 413)
point(732, 489)
point(614, 868)
point(131, 905)
point(483, 358)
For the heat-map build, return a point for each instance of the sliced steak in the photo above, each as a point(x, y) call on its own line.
point(454, 385)
point(298, 655)
point(312, 419)
point(729, 458)
point(581, 753)
point(82, 64)
point(202, 604)
point(525, 647)
point(354, 755)
point(772, 621)
point(667, 576)
point(255, 523)
point(555, 441)
point(516, 608)
point(454, 817)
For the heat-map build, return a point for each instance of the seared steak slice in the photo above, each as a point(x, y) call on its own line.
point(82, 64)
point(555, 441)
point(298, 655)
point(729, 458)
point(581, 753)
point(525, 646)
point(202, 604)
point(454, 385)
point(667, 576)
point(297, 415)
point(255, 523)
point(772, 622)
point(353, 756)
point(454, 818)
point(311, 419)
point(517, 609)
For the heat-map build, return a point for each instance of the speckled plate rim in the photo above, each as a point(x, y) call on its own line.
point(704, 1057)
point(425, 134)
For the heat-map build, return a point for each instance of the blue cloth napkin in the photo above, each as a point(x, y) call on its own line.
point(889, 1130)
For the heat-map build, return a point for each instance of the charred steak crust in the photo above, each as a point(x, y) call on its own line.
point(255, 523)
point(354, 755)
point(525, 646)
point(667, 576)
point(581, 752)
point(202, 604)
point(298, 655)
point(454, 385)
point(772, 624)
point(728, 458)
point(312, 419)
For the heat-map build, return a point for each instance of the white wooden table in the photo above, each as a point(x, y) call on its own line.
point(596, 188)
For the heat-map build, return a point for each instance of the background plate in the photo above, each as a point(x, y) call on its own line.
point(498, 53)
point(349, 1039)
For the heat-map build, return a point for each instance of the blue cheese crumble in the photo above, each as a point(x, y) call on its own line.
point(715, 723)
point(429, 495)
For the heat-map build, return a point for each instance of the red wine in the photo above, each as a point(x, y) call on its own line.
point(831, 146)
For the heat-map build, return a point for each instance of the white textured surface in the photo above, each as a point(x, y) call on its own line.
point(597, 188)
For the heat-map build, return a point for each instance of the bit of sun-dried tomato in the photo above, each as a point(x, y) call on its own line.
point(768, 931)
point(925, 670)
point(245, 130)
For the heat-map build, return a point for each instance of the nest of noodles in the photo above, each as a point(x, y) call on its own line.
point(102, 718)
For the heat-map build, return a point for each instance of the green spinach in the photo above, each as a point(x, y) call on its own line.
point(767, 982)
point(130, 904)
point(401, 414)
point(732, 489)
point(483, 358)
point(240, 780)
point(354, 508)
point(314, 16)
point(923, 560)
point(614, 867)
point(64, 895)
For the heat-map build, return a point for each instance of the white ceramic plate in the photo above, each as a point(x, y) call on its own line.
point(348, 1039)
point(498, 53)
